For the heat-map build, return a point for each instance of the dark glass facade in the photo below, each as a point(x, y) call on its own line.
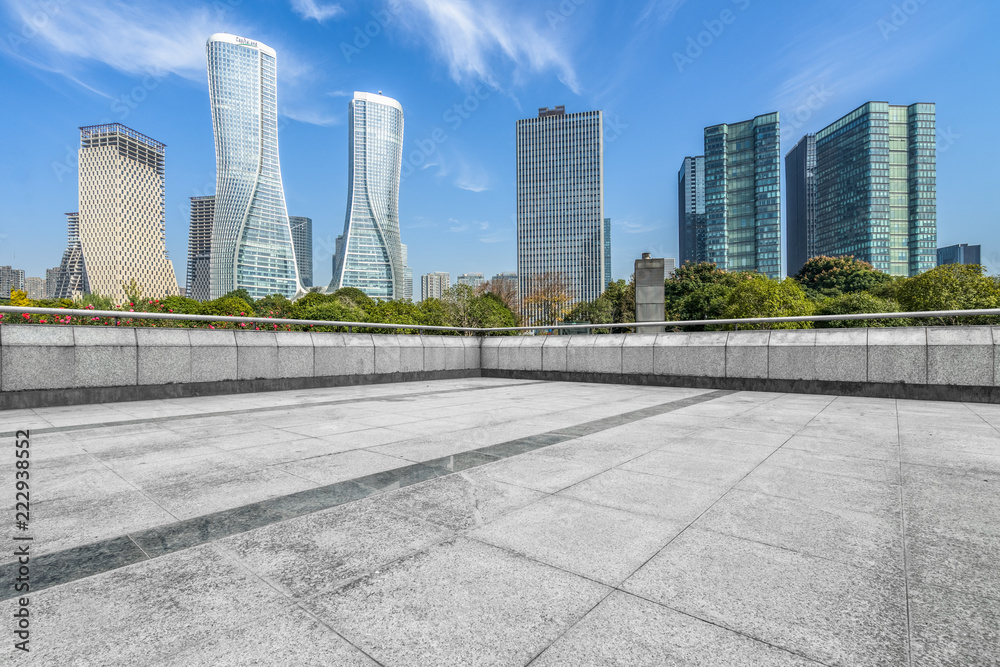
point(691, 210)
point(959, 254)
point(876, 187)
point(800, 211)
point(743, 196)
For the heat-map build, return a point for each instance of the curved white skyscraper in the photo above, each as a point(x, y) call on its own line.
point(251, 239)
point(370, 255)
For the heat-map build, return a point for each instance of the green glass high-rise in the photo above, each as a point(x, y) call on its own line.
point(876, 192)
point(743, 196)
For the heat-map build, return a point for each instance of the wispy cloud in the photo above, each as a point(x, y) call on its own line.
point(659, 11)
point(145, 38)
point(311, 9)
point(477, 38)
point(630, 227)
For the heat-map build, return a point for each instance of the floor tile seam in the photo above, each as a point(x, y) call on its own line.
point(936, 466)
point(799, 552)
point(290, 518)
point(141, 491)
point(902, 524)
point(725, 628)
point(703, 512)
point(836, 474)
point(534, 559)
point(570, 626)
point(272, 408)
point(793, 448)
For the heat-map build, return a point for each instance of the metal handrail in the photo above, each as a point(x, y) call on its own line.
point(120, 315)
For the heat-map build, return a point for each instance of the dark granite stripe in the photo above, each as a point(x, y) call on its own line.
point(79, 562)
point(224, 413)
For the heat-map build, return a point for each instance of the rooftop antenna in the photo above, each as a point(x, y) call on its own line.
point(380, 92)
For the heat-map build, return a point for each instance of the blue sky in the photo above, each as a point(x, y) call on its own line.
point(467, 70)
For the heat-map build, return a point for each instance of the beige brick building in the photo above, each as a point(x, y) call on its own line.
point(122, 212)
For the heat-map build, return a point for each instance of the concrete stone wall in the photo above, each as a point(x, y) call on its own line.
point(904, 362)
point(49, 365)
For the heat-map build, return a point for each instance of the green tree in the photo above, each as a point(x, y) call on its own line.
point(332, 311)
point(859, 302)
point(354, 296)
point(434, 313)
point(238, 294)
point(621, 295)
point(133, 292)
point(180, 304)
point(229, 306)
point(951, 287)
point(833, 276)
point(699, 291)
point(760, 296)
point(491, 311)
point(395, 312)
point(276, 305)
point(96, 300)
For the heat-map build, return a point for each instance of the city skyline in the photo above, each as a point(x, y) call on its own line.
point(473, 225)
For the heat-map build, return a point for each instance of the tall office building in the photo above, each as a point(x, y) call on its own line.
point(302, 241)
point(876, 193)
point(691, 210)
point(371, 257)
point(433, 285)
point(122, 217)
point(251, 239)
point(800, 212)
point(51, 280)
point(962, 253)
point(71, 280)
point(607, 252)
point(743, 196)
point(199, 268)
point(471, 279)
point(10, 279)
point(407, 274)
point(35, 287)
point(669, 266)
point(560, 204)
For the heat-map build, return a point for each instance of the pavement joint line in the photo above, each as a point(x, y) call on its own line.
point(83, 561)
point(902, 537)
point(224, 413)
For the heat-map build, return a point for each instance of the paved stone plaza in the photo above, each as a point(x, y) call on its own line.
point(511, 522)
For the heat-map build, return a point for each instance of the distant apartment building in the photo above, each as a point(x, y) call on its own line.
point(962, 253)
point(607, 252)
point(669, 266)
point(51, 280)
point(433, 285)
point(10, 279)
point(800, 198)
point(122, 217)
point(251, 238)
point(370, 256)
point(506, 276)
point(743, 196)
point(471, 279)
point(302, 240)
point(71, 277)
point(876, 194)
point(199, 267)
point(35, 287)
point(560, 205)
point(407, 274)
point(691, 210)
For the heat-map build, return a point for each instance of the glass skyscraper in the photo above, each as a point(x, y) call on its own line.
point(876, 187)
point(251, 240)
point(800, 187)
point(302, 239)
point(691, 210)
point(743, 196)
point(369, 256)
point(560, 205)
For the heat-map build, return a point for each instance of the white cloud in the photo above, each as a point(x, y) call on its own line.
point(310, 9)
point(471, 36)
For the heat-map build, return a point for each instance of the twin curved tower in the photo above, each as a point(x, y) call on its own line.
point(369, 254)
point(251, 238)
